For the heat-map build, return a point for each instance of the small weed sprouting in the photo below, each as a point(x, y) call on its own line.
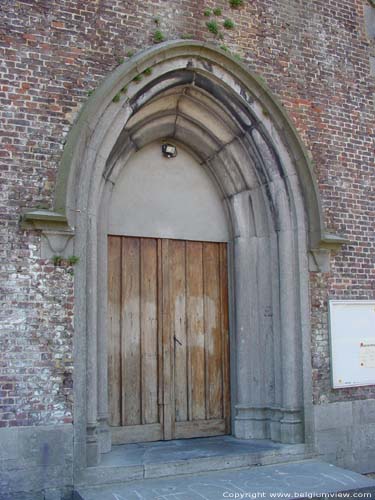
point(159, 36)
point(57, 260)
point(124, 89)
point(228, 24)
point(72, 260)
point(120, 60)
point(217, 11)
point(116, 98)
point(147, 72)
point(212, 27)
point(90, 92)
point(235, 4)
point(225, 48)
point(207, 12)
point(186, 36)
point(137, 78)
point(130, 53)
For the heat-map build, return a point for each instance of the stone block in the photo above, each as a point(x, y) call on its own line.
point(364, 412)
point(49, 446)
point(8, 443)
point(57, 243)
point(291, 432)
point(364, 462)
point(319, 261)
point(364, 442)
point(36, 459)
point(333, 415)
point(334, 442)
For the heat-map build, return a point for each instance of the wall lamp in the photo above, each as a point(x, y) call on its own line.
point(169, 150)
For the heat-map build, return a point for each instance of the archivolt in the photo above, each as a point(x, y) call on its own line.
point(201, 97)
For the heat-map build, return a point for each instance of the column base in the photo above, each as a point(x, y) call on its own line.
point(104, 435)
point(92, 446)
point(279, 424)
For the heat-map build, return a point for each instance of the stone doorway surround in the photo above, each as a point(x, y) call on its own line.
point(201, 97)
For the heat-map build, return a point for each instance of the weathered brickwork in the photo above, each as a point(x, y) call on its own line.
point(314, 55)
point(37, 325)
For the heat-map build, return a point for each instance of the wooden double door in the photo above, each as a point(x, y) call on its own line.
point(168, 350)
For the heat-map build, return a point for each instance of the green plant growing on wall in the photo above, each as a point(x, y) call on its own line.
point(212, 27)
point(90, 92)
point(147, 72)
point(262, 80)
point(159, 36)
point(116, 97)
point(57, 260)
point(186, 36)
point(207, 12)
point(120, 60)
point(124, 89)
point(218, 11)
point(225, 48)
point(235, 4)
point(137, 78)
point(73, 260)
point(130, 53)
point(42, 206)
point(228, 24)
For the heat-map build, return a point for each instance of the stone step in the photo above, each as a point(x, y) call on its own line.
point(190, 456)
point(304, 479)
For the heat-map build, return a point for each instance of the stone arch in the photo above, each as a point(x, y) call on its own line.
point(226, 117)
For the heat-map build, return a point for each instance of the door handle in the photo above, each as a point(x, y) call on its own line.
point(176, 339)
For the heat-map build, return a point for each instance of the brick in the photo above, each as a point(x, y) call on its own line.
point(314, 56)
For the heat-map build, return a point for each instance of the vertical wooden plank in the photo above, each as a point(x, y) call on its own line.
point(195, 330)
point(130, 332)
point(114, 335)
point(160, 330)
point(168, 398)
point(225, 333)
point(178, 319)
point(149, 344)
point(213, 347)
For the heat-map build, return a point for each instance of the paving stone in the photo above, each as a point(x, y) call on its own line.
point(293, 480)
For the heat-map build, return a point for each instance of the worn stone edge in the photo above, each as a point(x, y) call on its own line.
point(43, 219)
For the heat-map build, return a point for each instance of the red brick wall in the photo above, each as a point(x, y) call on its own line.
point(314, 55)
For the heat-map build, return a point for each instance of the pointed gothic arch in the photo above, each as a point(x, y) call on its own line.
point(227, 118)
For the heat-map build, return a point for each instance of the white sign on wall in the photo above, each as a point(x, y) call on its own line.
point(352, 337)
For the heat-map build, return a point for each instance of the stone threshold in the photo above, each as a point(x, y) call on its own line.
point(187, 456)
point(306, 479)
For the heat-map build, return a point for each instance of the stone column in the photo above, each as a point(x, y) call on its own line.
point(92, 385)
point(104, 435)
point(291, 422)
point(250, 421)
